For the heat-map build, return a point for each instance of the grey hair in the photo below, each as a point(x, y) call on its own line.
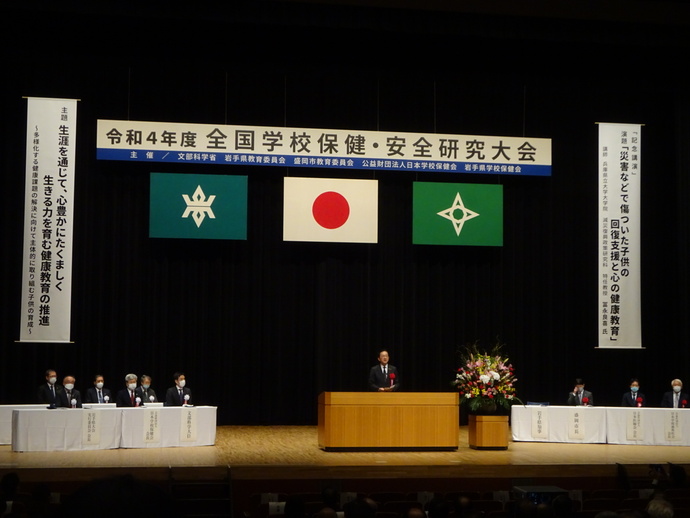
point(130, 377)
point(679, 381)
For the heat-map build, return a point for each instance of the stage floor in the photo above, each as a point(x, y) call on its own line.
point(292, 452)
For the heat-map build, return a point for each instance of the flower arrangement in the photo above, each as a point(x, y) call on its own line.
point(485, 379)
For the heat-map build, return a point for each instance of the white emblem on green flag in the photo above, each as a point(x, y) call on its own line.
point(457, 214)
point(216, 209)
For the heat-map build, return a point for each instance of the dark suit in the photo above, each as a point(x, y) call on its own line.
point(66, 399)
point(628, 399)
point(145, 393)
point(574, 400)
point(667, 400)
point(378, 379)
point(92, 395)
point(45, 395)
point(172, 396)
point(123, 398)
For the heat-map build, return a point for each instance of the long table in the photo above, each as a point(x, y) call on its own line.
point(109, 427)
point(612, 425)
point(6, 420)
point(385, 420)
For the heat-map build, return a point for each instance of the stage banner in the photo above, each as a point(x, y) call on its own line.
point(324, 148)
point(152, 431)
point(576, 425)
point(673, 430)
point(48, 218)
point(634, 430)
point(619, 236)
point(198, 206)
point(188, 424)
point(457, 214)
point(330, 209)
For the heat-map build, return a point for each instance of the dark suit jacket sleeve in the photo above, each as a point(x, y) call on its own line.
point(90, 396)
point(396, 384)
point(171, 398)
point(153, 393)
point(122, 398)
point(573, 400)
point(373, 378)
point(667, 400)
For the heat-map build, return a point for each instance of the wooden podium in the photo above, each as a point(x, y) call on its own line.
point(388, 420)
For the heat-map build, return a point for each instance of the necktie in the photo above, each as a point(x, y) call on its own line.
point(580, 397)
point(675, 400)
point(181, 397)
point(100, 396)
point(52, 392)
point(131, 395)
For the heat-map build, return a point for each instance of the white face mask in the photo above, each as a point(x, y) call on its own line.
point(181, 383)
point(676, 388)
point(99, 385)
point(52, 380)
point(69, 386)
point(132, 386)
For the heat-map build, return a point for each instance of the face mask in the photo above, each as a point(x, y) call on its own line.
point(99, 385)
point(146, 386)
point(181, 383)
point(52, 380)
point(634, 389)
point(676, 388)
point(132, 386)
point(69, 386)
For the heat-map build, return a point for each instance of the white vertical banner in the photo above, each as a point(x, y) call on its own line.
point(540, 424)
point(188, 424)
point(619, 236)
point(634, 429)
point(91, 427)
point(576, 424)
point(152, 431)
point(673, 430)
point(51, 138)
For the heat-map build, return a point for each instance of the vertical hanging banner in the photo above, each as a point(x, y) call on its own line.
point(51, 136)
point(619, 236)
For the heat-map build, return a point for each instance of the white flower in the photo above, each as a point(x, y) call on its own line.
point(495, 375)
point(468, 395)
point(484, 378)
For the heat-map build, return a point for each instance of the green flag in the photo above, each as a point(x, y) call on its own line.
point(457, 214)
point(198, 206)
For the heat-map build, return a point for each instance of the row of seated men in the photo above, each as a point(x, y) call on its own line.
point(132, 395)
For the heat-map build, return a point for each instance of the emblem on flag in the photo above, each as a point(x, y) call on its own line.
point(198, 206)
point(327, 209)
point(457, 214)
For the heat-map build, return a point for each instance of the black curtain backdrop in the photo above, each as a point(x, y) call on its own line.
point(261, 327)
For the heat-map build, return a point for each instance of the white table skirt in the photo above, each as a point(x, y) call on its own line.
point(168, 427)
point(64, 429)
point(558, 424)
point(612, 425)
point(6, 420)
point(108, 427)
point(648, 426)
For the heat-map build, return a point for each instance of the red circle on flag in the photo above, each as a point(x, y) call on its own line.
point(330, 210)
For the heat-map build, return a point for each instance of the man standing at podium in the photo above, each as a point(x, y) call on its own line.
point(384, 377)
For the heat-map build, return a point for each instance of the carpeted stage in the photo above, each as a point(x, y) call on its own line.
point(287, 459)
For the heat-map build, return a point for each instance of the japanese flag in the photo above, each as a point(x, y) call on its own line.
point(326, 209)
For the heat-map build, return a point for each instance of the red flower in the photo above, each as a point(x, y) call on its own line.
point(585, 400)
point(684, 402)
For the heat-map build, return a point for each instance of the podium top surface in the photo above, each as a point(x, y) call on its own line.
point(389, 398)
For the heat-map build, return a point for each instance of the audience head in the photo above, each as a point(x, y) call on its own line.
point(360, 508)
point(660, 508)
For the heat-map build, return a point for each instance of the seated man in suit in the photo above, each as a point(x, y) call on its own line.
point(177, 395)
point(634, 397)
point(579, 396)
point(676, 398)
point(145, 392)
point(49, 392)
point(71, 398)
point(98, 394)
point(384, 377)
point(127, 396)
